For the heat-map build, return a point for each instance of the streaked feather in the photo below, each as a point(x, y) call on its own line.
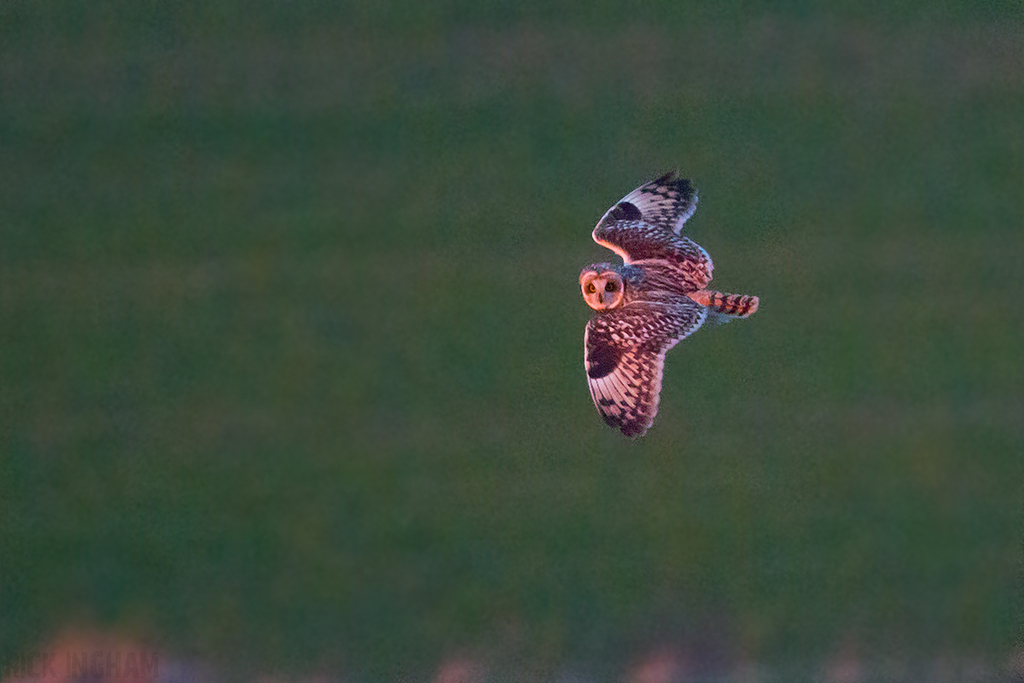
point(624, 353)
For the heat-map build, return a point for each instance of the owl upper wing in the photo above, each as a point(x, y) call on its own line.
point(666, 202)
point(624, 353)
point(647, 224)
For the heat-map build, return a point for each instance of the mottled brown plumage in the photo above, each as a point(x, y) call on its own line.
point(649, 303)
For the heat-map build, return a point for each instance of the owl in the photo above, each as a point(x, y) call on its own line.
point(657, 297)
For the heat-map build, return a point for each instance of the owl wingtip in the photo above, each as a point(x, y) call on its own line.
point(636, 433)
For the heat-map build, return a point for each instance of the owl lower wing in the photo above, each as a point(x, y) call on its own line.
point(624, 357)
point(627, 398)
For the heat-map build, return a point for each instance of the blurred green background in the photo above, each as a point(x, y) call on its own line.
point(291, 339)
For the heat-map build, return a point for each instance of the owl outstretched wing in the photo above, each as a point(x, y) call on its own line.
point(666, 202)
point(646, 225)
point(624, 353)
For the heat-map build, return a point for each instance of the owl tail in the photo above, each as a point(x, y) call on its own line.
point(723, 307)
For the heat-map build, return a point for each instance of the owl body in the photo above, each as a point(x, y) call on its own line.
point(653, 300)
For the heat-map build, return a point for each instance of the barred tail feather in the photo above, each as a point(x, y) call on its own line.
point(724, 307)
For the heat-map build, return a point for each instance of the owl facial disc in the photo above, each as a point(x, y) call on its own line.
point(602, 289)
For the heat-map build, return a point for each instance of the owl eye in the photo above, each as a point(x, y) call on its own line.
point(591, 288)
point(610, 287)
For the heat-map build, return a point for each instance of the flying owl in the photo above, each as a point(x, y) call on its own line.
point(657, 297)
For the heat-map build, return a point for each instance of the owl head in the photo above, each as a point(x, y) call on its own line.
point(602, 285)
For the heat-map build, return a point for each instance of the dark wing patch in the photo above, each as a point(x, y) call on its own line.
point(603, 360)
point(624, 211)
point(637, 336)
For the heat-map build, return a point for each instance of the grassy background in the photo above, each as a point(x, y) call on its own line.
point(290, 334)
